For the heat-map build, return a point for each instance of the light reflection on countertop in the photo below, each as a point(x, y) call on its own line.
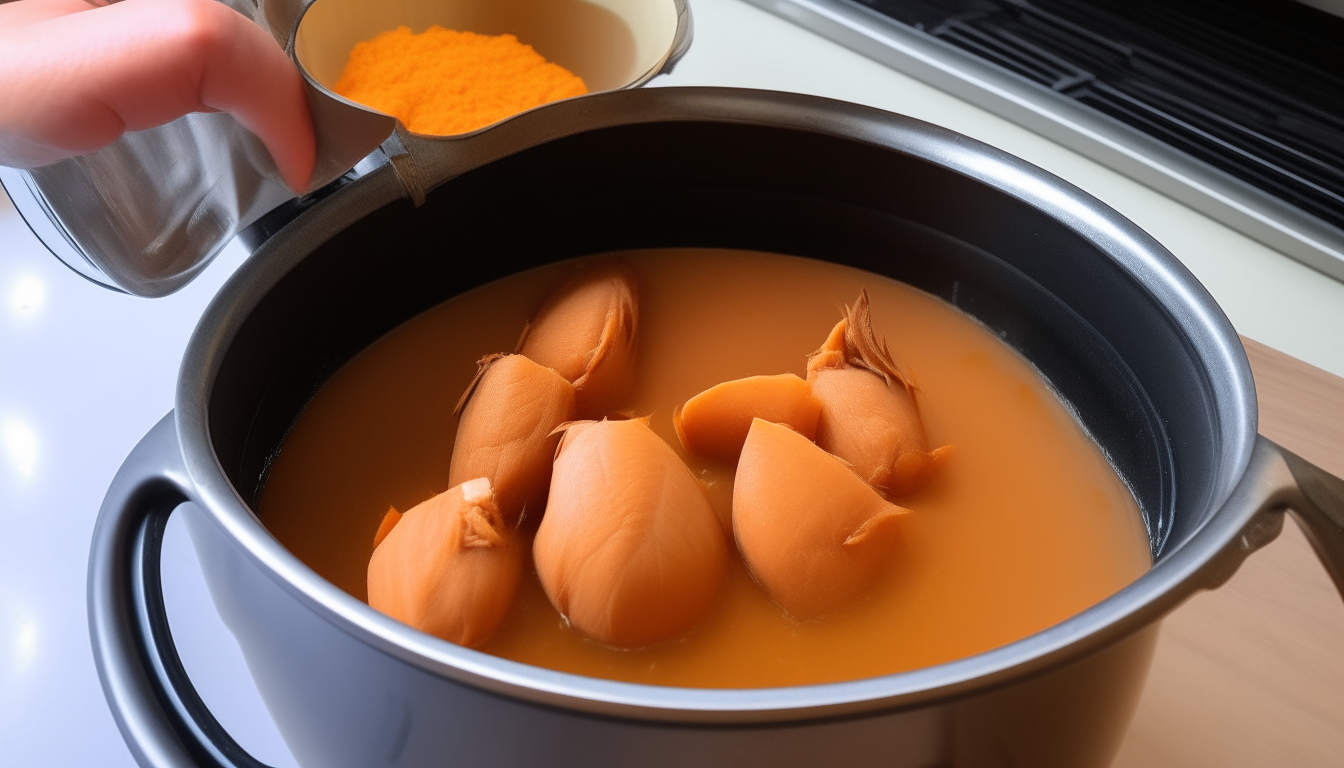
point(27, 296)
point(21, 446)
point(23, 642)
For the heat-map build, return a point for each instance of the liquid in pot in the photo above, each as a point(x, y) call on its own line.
point(1025, 526)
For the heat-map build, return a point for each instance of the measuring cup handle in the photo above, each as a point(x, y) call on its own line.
point(682, 39)
point(161, 717)
point(1319, 508)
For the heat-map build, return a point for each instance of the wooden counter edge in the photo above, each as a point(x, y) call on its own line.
point(1252, 674)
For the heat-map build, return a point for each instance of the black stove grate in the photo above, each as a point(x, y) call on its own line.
point(1255, 89)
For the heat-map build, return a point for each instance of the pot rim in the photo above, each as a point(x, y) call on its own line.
point(1143, 259)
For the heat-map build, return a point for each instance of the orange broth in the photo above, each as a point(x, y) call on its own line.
point(1027, 525)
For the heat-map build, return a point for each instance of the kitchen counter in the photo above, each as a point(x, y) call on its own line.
point(1248, 675)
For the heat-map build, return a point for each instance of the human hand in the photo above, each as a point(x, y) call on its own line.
point(74, 77)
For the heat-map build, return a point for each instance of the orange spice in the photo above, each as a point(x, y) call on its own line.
point(443, 82)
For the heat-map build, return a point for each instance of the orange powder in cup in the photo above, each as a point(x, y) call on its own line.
point(443, 82)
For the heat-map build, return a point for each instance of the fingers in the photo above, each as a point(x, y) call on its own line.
point(16, 14)
point(73, 83)
point(243, 72)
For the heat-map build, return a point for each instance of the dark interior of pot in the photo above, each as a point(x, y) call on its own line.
point(1132, 369)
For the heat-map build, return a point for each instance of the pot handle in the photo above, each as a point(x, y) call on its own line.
point(161, 717)
point(1318, 506)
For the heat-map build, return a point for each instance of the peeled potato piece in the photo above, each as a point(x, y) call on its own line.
point(813, 533)
point(586, 332)
point(450, 567)
point(869, 416)
point(714, 423)
point(630, 551)
point(509, 415)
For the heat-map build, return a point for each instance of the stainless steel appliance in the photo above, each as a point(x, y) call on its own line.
point(1236, 109)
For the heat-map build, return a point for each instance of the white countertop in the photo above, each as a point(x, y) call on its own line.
point(84, 373)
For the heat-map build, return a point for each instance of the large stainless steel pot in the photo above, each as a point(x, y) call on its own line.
point(1121, 329)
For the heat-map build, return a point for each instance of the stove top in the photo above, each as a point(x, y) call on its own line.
point(1236, 109)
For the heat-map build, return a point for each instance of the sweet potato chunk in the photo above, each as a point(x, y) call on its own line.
point(586, 332)
point(630, 550)
point(869, 416)
point(390, 520)
point(509, 415)
point(450, 567)
point(813, 533)
point(714, 423)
